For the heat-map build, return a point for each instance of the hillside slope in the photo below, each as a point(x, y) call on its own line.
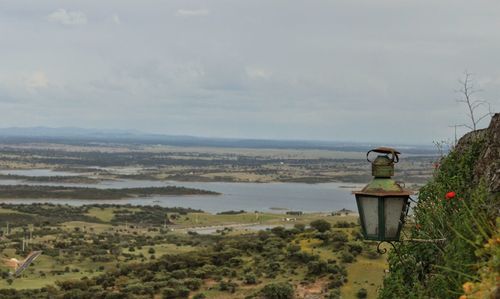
point(460, 204)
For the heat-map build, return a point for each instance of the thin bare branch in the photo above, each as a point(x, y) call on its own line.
point(465, 126)
point(467, 90)
point(484, 116)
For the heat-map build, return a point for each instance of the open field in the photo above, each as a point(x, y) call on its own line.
point(165, 252)
point(100, 161)
point(108, 237)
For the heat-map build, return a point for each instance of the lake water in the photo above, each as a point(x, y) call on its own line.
point(265, 197)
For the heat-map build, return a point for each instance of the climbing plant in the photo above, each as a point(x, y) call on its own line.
point(455, 207)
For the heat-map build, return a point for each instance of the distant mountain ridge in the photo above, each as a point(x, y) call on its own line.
point(75, 134)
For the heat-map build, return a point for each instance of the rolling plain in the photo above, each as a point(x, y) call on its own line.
point(151, 251)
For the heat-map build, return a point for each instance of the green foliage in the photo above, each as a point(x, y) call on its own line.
point(339, 237)
point(355, 247)
point(299, 226)
point(344, 224)
point(347, 257)
point(317, 267)
point(362, 293)
point(171, 293)
point(438, 269)
point(280, 290)
point(228, 286)
point(250, 278)
point(321, 225)
point(335, 294)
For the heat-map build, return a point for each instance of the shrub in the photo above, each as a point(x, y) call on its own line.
point(317, 267)
point(250, 278)
point(339, 237)
point(179, 274)
point(355, 247)
point(321, 225)
point(281, 290)
point(335, 294)
point(300, 227)
point(346, 257)
point(362, 293)
point(343, 224)
point(227, 286)
point(171, 293)
point(193, 283)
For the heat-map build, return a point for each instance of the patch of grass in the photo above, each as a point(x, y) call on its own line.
point(364, 273)
point(161, 249)
point(97, 227)
point(9, 211)
point(205, 219)
point(36, 282)
point(104, 214)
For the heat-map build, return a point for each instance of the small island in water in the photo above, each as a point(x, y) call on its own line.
point(62, 192)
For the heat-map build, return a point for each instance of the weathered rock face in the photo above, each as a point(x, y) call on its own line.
point(488, 164)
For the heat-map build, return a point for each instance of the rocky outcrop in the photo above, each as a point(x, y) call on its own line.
point(488, 164)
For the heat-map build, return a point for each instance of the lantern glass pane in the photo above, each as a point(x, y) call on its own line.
point(370, 214)
point(393, 207)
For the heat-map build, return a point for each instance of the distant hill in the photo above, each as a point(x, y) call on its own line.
point(81, 135)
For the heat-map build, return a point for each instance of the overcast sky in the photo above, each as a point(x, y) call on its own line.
point(374, 70)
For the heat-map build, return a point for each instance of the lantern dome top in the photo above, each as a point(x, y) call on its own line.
point(383, 187)
point(382, 170)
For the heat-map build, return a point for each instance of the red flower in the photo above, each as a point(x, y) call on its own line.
point(450, 195)
point(418, 226)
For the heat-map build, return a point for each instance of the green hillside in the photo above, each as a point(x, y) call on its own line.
point(460, 204)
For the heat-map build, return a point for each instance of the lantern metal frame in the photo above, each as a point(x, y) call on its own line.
point(381, 188)
point(381, 215)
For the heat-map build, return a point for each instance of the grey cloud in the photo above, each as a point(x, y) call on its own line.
point(192, 12)
point(64, 17)
point(335, 70)
point(116, 19)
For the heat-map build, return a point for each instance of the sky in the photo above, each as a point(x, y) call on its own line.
point(337, 70)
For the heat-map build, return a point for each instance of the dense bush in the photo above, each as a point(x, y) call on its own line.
point(321, 225)
point(281, 290)
point(250, 278)
point(347, 257)
point(344, 224)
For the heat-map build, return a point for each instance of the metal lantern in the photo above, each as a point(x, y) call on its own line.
point(383, 203)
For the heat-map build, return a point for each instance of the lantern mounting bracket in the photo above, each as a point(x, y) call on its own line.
point(384, 250)
point(381, 250)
